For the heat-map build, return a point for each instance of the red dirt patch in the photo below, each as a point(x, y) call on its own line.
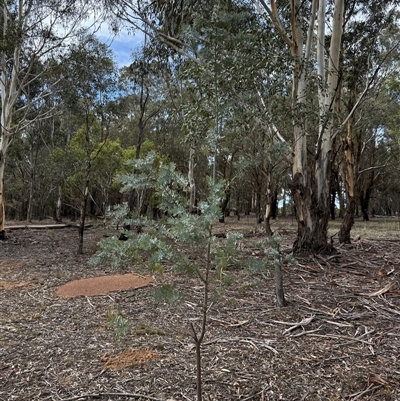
point(102, 285)
point(9, 285)
point(131, 357)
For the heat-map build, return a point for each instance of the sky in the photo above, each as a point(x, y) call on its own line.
point(122, 45)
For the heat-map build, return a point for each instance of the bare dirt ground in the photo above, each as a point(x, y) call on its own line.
point(338, 338)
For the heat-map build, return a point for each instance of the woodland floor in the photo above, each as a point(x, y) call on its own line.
point(347, 347)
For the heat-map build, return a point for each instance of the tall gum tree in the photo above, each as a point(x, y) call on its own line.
point(30, 30)
point(311, 174)
point(368, 61)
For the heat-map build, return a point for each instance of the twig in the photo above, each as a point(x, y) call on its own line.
point(304, 322)
point(303, 333)
point(356, 396)
point(251, 341)
point(97, 395)
point(339, 324)
point(383, 290)
point(227, 324)
point(350, 339)
point(317, 263)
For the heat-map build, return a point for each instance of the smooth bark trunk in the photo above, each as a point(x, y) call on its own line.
point(268, 198)
point(58, 206)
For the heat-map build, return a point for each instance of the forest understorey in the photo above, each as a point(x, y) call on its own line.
point(337, 339)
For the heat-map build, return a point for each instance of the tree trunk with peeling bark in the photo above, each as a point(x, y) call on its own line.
point(311, 170)
point(348, 176)
point(311, 186)
point(2, 210)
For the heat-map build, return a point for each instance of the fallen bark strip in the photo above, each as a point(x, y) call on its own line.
point(44, 226)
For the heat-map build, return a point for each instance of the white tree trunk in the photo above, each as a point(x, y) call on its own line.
point(311, 175)
point(327, 109)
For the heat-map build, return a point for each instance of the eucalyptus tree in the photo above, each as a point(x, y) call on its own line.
point(29, 31)
point(367, 60)
point(321, 60)
point(311, 175)
point(142, 87)
point(88, 82)
point(224, 89)
point(389, 189)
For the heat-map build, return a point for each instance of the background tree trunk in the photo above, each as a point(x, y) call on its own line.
point(192, 182)
point(2, 209)
point(58, 206)
point(348, 175)
point(84, 202)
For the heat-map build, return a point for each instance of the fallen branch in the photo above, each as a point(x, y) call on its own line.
point(44, 226)
point(97, 395)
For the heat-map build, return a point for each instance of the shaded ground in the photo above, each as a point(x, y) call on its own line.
point(347, 347)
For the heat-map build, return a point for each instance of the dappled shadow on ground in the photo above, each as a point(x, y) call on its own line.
point(338, 338)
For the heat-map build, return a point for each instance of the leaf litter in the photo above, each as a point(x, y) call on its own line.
point(338, 338)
